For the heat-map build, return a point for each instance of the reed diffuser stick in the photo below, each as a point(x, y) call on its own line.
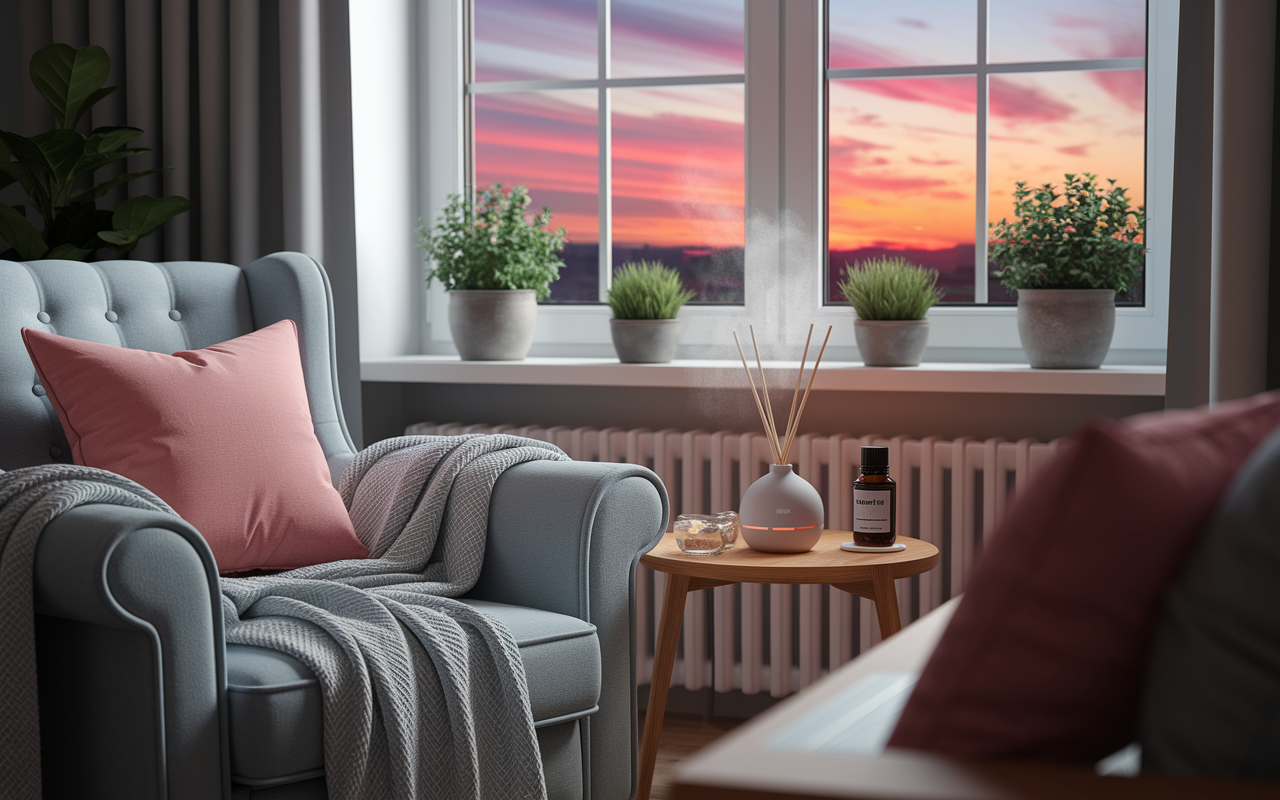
point(764, 420)
point(768, 405)
point(796, 395)
point(791, 435)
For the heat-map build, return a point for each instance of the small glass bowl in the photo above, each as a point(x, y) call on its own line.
point(732, 527)
point(727, 520)
point(699, 537)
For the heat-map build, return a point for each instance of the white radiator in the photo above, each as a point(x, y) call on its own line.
point(950, 492)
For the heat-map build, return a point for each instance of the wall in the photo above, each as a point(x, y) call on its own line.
point(389, 407)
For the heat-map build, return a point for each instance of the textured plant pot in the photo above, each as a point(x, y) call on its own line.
point(493, 324)
point(645, 341)
point(891, 343)
point(781, 513)
point(1066, 328)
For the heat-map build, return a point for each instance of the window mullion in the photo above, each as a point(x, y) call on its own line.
point(604, 155)
point(980, 197)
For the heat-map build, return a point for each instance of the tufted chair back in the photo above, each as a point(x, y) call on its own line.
point(163, 307)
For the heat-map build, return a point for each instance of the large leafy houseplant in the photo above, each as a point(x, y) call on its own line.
point(54, 169)
point(491, 244)
point(1075, 236)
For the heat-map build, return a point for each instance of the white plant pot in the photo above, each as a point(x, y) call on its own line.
point(645, 341)
point(891, 342)
point(493, 324)
point(1066, 328)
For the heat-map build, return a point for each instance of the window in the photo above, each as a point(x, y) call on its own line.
point(697, 133)
point(626, 118)
point(936, 109)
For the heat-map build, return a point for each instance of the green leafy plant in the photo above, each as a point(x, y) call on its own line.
point(885, 288)
point(50, 167)
point(647, 290)
point(1076, 236)
point(492, 244)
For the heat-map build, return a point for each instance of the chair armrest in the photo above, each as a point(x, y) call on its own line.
point(566, 536)
point(130, 657)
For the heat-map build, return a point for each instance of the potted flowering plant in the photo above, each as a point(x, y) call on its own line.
point(1068, 251)
point(496, 264)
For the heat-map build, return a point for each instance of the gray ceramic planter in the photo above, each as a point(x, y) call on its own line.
point(891, 343)
point(493, 324)
point(1066, 328)
point(645, 341)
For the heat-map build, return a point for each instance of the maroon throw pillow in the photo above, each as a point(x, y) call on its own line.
point(1044, 658)
point(223, 435)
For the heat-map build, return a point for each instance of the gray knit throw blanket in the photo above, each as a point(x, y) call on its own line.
point(423, 696)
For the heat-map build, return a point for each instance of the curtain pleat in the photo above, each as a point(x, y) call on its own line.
point(247, 104)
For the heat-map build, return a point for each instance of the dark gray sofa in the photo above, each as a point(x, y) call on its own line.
point(139, 695)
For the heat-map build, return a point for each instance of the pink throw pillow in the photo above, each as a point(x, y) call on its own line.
point(1044, 658)
point(223, 435)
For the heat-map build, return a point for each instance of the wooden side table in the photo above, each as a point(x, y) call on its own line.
point(869, 575)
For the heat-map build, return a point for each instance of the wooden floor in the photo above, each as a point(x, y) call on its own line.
point(682, 735)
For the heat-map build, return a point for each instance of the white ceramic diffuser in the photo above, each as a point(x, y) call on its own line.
point(781, 512)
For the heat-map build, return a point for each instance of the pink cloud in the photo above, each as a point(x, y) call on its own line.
point(892, 184)
point(955, 94)
point(933, 162)
point(1075, 150)
point(848, 154)
point(1021, 103)
point(1128, 87)
point(950, 194)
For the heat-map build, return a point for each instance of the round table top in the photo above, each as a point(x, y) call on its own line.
point(825, 563)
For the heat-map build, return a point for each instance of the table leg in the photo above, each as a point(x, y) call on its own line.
point(664, 659)
point(886, 601)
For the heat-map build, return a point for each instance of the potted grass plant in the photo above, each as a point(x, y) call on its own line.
point(1066, 253)
point(496, 263)
point(891, 296)
point(645, 298)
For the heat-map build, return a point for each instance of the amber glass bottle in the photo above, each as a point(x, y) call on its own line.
point(875, 500)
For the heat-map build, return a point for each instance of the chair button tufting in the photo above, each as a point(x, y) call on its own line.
point(43, 317)
point(55, 452)
point(37, 390)
point(175, 315)
point(112, 316)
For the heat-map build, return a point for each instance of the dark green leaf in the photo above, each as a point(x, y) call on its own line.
point(10, 255)
point(106, 140)
point(62, 150)
point(24, 150)
point(139, 216)
point(103, 188)
point(68, 253)
point(70, 79)
point(20, 234)
point(15, 171)
point(91, 161)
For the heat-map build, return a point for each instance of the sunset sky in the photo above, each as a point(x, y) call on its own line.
point(902, 151)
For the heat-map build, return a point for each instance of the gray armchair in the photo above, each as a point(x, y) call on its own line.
point(139, 695)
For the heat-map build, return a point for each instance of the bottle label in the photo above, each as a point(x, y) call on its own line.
point(872, 511)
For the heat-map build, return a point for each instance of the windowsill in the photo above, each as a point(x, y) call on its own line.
point(714, 374)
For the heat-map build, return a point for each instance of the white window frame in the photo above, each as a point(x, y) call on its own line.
point(785, 180)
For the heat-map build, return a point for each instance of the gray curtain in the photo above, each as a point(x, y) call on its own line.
point(1220, 256)
point(249, 103)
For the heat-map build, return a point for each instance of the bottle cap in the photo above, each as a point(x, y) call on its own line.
point(875, 457)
